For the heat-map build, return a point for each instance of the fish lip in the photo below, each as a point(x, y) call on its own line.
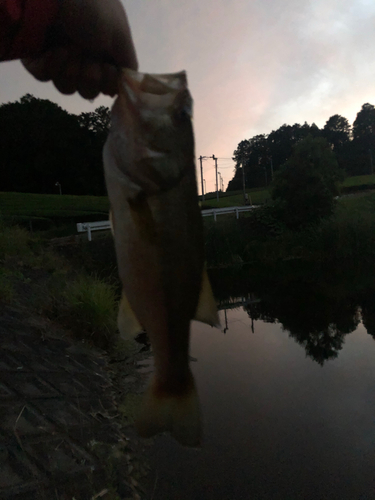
point(171, 86)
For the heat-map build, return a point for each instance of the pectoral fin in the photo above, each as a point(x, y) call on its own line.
point(127, 322)
point(207, 310)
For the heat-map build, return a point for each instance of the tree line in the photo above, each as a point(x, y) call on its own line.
point(41, 145)
point(262, 155)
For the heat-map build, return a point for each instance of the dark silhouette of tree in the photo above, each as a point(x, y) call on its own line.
point(337, 132)
point(42, 144)
point(306, 185)
point(258, 152)
point(354, 147)
point(363, 146)
point(364, 124)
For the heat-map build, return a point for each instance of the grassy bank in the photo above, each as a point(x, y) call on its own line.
point(261, 195)
point(69, 290)
point(46, 210)
point(348, 235)
point(60, 283)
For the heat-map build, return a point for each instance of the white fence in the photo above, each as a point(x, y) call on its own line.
point(83, 227)
point(227, 210)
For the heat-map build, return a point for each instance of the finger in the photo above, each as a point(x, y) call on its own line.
point(39, 66)
point(66, 82)
point(109, 83)
point(89, 80)
point(57, 62)
point(122, 49)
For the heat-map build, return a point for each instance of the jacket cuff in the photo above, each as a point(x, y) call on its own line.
point(24, 26)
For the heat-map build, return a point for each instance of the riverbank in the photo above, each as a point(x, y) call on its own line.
point(260, 239)
point(60, 297)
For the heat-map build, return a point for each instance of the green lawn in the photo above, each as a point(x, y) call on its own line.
point(257, 197)
point(358, 202)
point(54, 206)
point(359, 180)
point(51, 205)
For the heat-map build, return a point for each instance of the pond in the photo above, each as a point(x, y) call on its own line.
point(287, 389)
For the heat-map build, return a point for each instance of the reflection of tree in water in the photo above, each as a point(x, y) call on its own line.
point(321, 345)
point(311, 312)
point(368, 312)
point(317, 309)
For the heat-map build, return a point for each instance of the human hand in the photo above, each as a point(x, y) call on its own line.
point(88, 42)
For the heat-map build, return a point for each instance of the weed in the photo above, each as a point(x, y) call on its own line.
point(6, 287)
point(91, 304)
point(14, 242)
point(129, 406)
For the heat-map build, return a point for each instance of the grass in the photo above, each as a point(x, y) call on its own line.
point(7, 293)
point(261, 195)
point(14, 242)
point(258, 197)
point(92, 303)
point(348, 236)
point(358, 180)
point(39, 208)
point(35, 275)
point(44, 210)
point(361, 202)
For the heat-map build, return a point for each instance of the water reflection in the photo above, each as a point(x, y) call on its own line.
point(318, 309)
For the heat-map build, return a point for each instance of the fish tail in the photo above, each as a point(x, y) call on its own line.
point(167, 412)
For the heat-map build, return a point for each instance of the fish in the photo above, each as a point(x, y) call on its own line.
point(149, 165)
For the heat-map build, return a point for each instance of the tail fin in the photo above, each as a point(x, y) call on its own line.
point(177, 414)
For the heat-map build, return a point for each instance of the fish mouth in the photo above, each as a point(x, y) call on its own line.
point(156, 146)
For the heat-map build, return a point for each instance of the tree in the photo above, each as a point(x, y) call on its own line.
point(254, 155)
point(97, 122)
point(364, 124)
point(363, 144)
point(337, 132)
point(259, 152)
point(42, 143)
point(305, 187)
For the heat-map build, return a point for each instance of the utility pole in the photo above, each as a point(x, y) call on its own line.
point(217, 183)
point(201, 160)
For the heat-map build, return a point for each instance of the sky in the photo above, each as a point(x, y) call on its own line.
point(252, 65)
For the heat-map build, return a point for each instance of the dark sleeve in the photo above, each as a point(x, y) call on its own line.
point(24, 25)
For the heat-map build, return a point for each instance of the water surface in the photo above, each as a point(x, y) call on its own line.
point(288, 399)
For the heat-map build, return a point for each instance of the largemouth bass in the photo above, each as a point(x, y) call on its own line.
point(157, 225)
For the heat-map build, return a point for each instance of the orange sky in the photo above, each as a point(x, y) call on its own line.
point(252, 65)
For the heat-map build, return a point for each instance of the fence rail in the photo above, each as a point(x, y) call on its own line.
point(89, 227)
point(227, 210)
point(83, 227)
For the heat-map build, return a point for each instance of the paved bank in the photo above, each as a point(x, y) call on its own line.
point(60, 433)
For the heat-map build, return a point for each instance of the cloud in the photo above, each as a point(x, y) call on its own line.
point(252, 66)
